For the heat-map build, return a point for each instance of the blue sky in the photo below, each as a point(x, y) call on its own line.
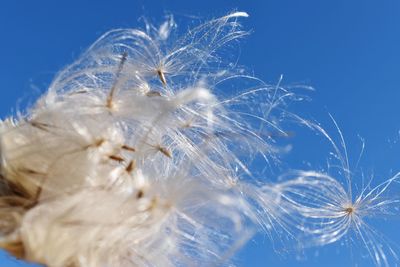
point(349, 51)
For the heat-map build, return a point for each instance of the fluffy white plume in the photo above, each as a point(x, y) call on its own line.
point(132, 158)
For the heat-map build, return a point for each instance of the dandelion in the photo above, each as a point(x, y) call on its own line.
point(131, 159)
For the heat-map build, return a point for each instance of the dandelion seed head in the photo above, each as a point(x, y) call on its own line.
point(134, 157)
point(131, 158)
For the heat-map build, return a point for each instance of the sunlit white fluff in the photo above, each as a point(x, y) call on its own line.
point(131, 158)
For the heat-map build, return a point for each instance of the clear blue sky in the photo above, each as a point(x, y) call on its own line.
point(349, 51)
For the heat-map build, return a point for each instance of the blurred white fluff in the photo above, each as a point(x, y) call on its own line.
point(130, 159)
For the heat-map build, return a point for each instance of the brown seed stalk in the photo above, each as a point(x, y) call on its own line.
point(117, 158)
point(131, 166)
point(128, 148)
point(161, 76)
point(118, 74)
point(165, 151)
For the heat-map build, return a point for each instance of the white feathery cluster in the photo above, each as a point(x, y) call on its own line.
point(323, 208)
point(131, 159)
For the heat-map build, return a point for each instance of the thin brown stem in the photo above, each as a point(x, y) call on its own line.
point(117, 76)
